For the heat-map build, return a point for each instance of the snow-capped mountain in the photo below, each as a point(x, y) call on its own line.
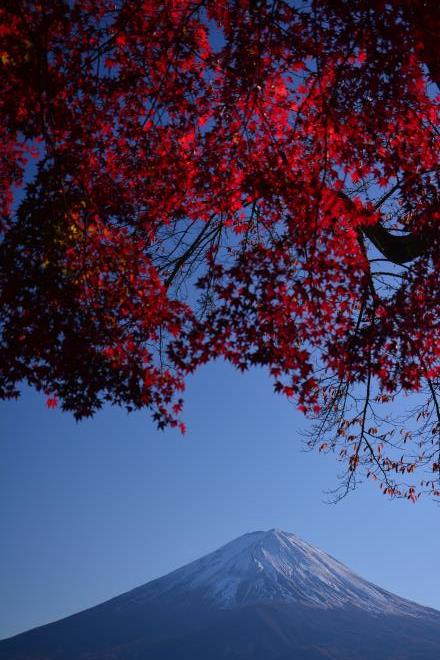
point(274, 566)
point(265, 596)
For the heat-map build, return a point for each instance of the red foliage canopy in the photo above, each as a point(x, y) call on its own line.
point(251, 179)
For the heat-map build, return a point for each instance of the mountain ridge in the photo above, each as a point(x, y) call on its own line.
point(297, 572)
point(264, 596)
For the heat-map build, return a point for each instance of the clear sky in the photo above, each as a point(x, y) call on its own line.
point(93, 509)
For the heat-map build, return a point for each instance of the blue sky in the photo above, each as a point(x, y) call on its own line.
point(89, 510)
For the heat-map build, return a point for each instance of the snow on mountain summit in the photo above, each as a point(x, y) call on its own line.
point(274, 566)
point(266, 595)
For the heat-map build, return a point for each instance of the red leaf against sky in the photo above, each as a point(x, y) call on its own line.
point(256, 181)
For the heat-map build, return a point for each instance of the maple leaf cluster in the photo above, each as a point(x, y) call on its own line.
point(249, 179)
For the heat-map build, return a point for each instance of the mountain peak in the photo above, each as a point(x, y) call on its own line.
point(267, 594)
point(275, 566)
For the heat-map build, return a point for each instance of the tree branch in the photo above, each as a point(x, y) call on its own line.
point(398, 249)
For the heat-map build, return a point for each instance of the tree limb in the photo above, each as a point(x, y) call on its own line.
point(398, 249)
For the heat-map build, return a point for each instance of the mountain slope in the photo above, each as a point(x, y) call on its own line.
point(272, 566)
point(264, 596)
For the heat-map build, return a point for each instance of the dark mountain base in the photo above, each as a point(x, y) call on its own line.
point(276, 631)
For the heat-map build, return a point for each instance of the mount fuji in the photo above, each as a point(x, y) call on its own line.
point(264, 596)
